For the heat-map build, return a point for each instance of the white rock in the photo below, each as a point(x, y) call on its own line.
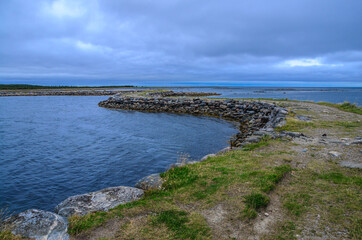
point(102, 200)
point(335, 154)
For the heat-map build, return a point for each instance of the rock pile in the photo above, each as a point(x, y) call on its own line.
point(180, 94)
point(252, 116)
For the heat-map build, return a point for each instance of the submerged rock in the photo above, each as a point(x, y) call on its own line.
point(102, 200)
point(39, 225)
point(151, 182)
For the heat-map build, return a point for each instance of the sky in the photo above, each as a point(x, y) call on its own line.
point(182, 42)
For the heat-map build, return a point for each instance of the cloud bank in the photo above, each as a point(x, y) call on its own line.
point(233, 42)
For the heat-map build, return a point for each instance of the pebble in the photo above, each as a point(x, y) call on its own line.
point(334, 154)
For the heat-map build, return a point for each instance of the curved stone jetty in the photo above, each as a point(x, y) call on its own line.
point(181, 94)
point(252, 116)
point(102, 200)
point(39, 225)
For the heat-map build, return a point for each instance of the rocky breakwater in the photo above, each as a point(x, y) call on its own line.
point(252, 116)
point(180, 94)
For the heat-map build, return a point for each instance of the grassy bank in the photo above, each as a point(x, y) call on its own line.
point(275, 189)
point(176, 212)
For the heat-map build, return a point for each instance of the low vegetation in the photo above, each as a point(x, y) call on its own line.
point(190, 190)
point(346, 106)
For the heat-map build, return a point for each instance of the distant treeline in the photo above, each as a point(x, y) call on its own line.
point(27, 86)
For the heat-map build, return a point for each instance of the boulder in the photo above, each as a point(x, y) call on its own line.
point(294, 134)
point(39, 225)
point(253, 139)
point(151, 182)
point(357, 142)
point(349, 164)
point(101, 200)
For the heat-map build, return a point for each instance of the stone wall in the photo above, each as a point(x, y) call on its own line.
point(181, 94)
point(252, 116)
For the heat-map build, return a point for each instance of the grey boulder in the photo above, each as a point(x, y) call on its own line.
point(349, 164)
point(39, 225)
point(101, 200)
point(151, 182)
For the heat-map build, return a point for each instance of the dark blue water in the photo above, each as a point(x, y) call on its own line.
point(332, 95)
point(56, 146)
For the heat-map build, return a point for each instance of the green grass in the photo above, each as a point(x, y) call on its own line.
point(29, 87)
point(180, 223)
point(339, 178)
point(256, 201)
point(346, 106)
point(79, 224)
point(296, 203)
point(295, 125)
point(326, 192)
point(7, 235)
point(252, 146)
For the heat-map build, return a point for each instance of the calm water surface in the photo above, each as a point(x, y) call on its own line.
point(52, 147)
point(332, 95)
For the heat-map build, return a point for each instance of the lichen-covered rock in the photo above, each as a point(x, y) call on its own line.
point(102, 200)
point(151, 182)
point(39, 225)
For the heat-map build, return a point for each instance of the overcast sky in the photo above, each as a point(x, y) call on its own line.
point(169, 42)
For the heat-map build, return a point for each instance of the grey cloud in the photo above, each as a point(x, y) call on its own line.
point(210, 40)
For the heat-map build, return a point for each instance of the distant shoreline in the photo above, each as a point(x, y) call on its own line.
point(14, 87)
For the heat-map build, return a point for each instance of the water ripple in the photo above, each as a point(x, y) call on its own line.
point(53, 147)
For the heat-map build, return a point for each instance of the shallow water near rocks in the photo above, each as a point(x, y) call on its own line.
point(53, 147)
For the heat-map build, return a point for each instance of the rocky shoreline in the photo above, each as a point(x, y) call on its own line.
point(256, 120)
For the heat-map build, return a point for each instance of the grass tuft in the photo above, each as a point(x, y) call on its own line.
point(295, 125)
point(178, 177)
point(256, 201)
